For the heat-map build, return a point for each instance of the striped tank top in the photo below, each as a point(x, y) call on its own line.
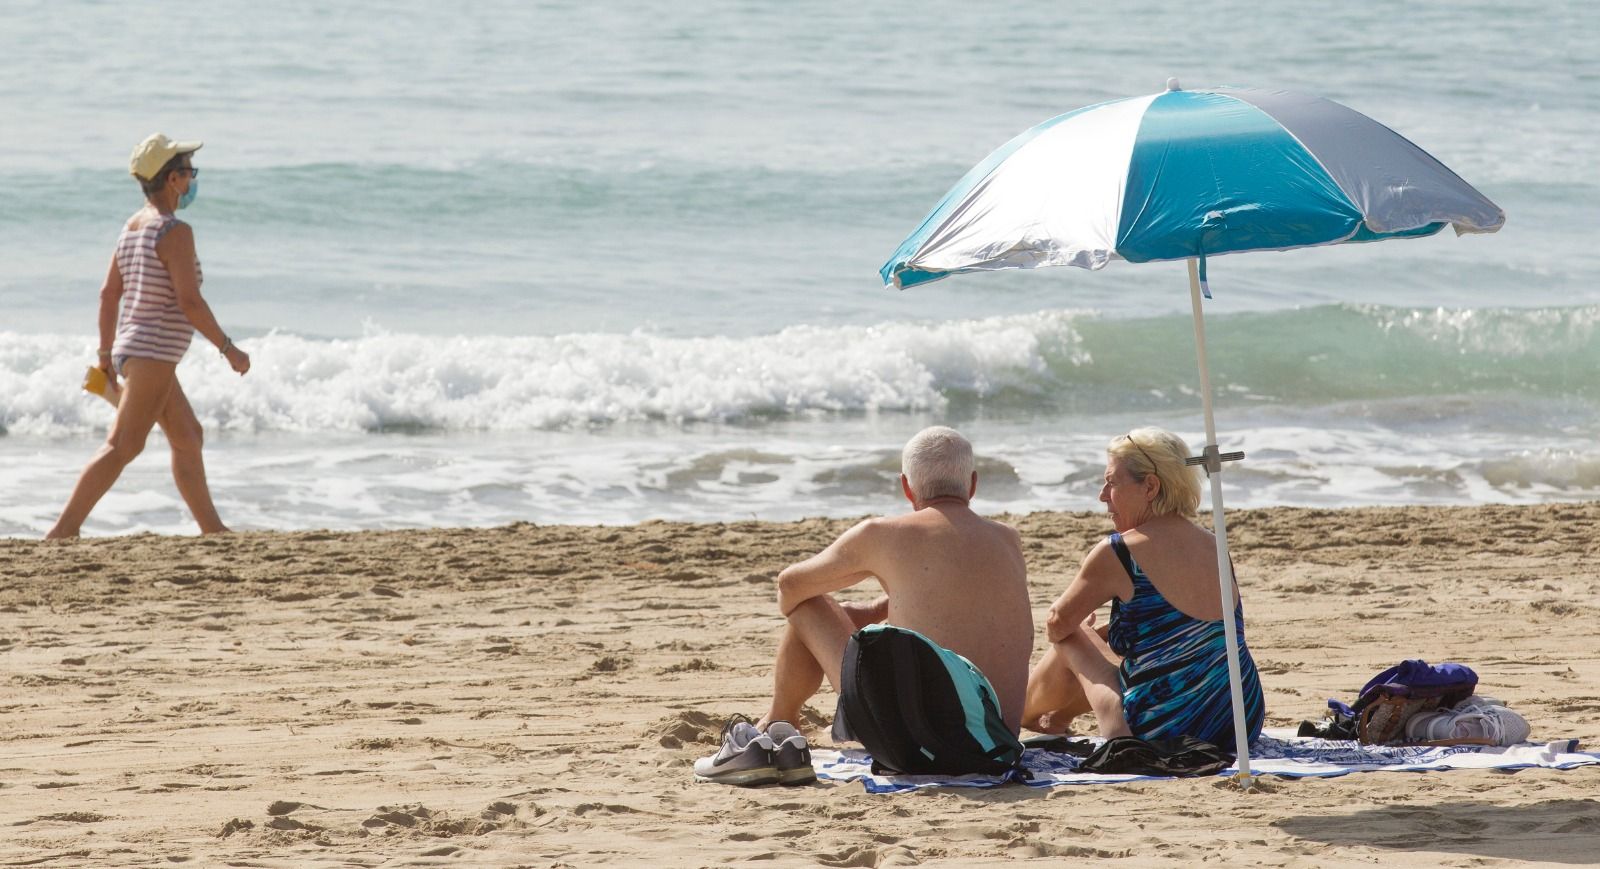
point(151, 325)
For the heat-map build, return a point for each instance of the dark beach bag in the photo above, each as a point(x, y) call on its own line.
point(921, 709)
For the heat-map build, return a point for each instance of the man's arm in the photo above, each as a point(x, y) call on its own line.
point(843, 564)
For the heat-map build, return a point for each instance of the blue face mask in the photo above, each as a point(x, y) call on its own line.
point(188, 196)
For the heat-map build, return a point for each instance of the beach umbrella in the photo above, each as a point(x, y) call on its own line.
point(1185, 175)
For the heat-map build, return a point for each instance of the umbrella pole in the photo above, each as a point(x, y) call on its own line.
point(1224, 566)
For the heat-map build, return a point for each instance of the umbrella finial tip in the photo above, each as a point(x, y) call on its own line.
point(1172, 84)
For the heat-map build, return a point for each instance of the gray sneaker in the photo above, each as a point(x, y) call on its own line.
point(793, 754)
point(747, 757)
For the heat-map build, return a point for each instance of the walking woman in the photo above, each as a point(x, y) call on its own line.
point(150, 308)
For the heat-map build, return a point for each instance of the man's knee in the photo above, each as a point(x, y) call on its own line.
point(820, 607)
point(821, 624)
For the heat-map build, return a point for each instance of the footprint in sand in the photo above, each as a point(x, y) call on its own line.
point(391, 820)
point(372, 743)
point(850, 857)
point(586, 809)
point(66, 818)
point(287, 823)
point(611, 664)
point(693, 665)
point(684, 728)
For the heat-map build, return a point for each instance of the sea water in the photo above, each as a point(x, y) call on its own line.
point(579, 262)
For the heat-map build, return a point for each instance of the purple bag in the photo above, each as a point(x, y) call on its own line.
point(1404, 690)
point(1451, 683)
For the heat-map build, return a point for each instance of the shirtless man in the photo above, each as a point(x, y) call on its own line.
point(947, 573)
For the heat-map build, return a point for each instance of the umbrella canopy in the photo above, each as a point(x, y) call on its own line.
point(1186, 174)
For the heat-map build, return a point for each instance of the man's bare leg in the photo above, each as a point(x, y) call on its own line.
point(144, 394)
point(812, 648)
point(186, 438)
point(867, 612)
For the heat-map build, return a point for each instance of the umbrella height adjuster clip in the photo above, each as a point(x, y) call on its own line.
point(1211, 458)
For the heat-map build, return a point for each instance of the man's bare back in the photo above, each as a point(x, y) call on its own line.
point(959, 579)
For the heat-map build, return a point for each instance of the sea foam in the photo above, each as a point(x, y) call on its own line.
point(1032, 366)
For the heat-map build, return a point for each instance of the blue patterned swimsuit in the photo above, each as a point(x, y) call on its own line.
point(1175, 667)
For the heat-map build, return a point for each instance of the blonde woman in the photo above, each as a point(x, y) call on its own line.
point(1160, 668)
point(150, 308)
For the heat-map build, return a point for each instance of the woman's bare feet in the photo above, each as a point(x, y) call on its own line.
point(1053, 723)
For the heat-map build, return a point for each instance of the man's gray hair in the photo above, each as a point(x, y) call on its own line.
point(937, 462)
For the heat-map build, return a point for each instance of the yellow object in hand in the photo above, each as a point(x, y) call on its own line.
point(96, 381)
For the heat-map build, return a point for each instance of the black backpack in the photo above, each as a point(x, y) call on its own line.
point(921, 709)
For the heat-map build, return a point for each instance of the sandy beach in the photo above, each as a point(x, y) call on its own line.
point(534, 696)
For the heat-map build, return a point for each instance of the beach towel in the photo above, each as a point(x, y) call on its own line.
point(1278, 752)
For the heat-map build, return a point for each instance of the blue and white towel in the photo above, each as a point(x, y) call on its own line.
point(1277, 752)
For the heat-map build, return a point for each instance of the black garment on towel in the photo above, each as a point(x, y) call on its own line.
point(1180, 757)
point(1077, 746)
point(1336, 726)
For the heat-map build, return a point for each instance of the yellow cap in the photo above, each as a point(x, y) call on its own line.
point(154, 152)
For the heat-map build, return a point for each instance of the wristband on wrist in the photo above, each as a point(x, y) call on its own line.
point(105, 354)
point(227, 344)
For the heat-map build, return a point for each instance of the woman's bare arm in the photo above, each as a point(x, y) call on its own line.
point(176, 250)
point(110, 308)
point(1099, 579)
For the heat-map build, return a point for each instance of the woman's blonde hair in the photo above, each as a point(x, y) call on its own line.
point(1151, 450)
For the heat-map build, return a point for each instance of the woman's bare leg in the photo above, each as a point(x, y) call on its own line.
point(144, 394)
point(1095, 666)
point(1054, 696)
point(186, 438)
